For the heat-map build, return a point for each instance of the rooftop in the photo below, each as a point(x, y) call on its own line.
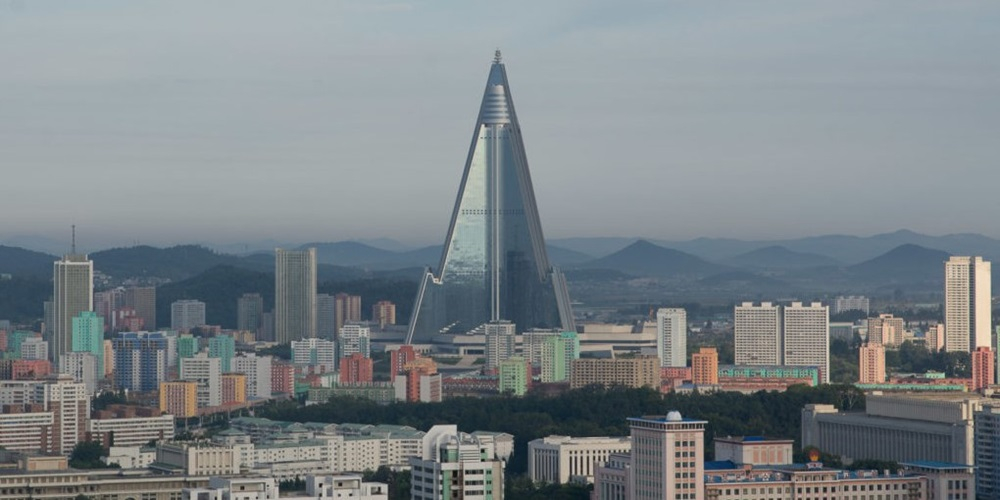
point(934, 464)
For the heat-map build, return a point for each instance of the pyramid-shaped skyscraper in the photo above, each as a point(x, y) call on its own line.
point(494, 265)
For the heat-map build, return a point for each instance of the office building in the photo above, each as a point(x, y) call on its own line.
point(983, 368)
point(72, 294)
point(142, 299)
point(224, 348)
point(871, 364)
point(886, 329)
point(851, 303)
point(179, 398)
point(494, 265)
point(668, 457)
point(515, 376)
point(897, 427)
point(82, 366)
point(456, 465)
point(234, 388)
point(671, 336)
point(355, 338)
point(141, 360)
point(500, 342)
point(326, 316)
point(294, 294)
point(356, 369)
point(258, 372)
point(384, 314)
point(639, 371)
point(207, 372)
point(187, 314)
point(705, 366)
point(967, 303)
point(347, 309)
point(757, 331)
point(315, 352)
point(250, 312)
point(562, 459)
point(807, 337)
point(88, 336)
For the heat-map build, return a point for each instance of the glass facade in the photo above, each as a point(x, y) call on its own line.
point(494, 265)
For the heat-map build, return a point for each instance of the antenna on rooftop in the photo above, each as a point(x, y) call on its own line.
point(73, 247)
point(496, 56)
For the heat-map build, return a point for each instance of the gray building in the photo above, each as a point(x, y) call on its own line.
point(294, 294)
point(72, 294)
point(250, 312)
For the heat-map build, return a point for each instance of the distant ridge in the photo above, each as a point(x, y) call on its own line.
point(779, 257)
point(643, 258)
point(21, 262)
point(904, 264)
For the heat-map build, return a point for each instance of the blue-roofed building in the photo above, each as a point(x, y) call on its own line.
point(141, 360)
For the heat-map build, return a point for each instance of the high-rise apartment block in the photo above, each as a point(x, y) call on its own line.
point(326, 316)
point(500, 342)
point(555, 366)
point(886, 329)
point(141, 360)
point(34, 348)
point(356, 369)
point(234, 388)
point(187, 314)
point(934, 337)
point(187, 347)
point(88, 336)
point(983, 368)
point(671, 337)
point(294, 294)
point(179, 398)
point(398, 358)
point(106, 303)
point(222, 347)
point(668, 457)
point(807, 337)
point(72, 294)
point(705, 366)
point(384, 314)
point(494, 265)
point(347, 309)
point(250, 312)
point(851, 303)
point(967, 303)
point(757, 330)
point(315, 352)
point(871, 363)
point(82, 366)
point(515, 376)
point(142, 300)
point(456, 466)
point(49, 416)
point(258, 372)
point(207, 372)
point(354, 338)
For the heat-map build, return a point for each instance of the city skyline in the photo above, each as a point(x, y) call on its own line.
point(853, 96)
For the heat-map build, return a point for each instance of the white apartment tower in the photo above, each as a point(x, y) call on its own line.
point(208, 373)
point(258, 372)
point(671, 337)
point(500, 342)
point(807, 337)
point(315, 352)
point(72, 294)
point(967, 310)
point(294, 294)
point(355, 338)
point(758, 334)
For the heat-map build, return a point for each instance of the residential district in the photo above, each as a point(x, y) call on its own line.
point(102, 399)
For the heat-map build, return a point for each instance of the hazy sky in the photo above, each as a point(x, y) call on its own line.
point(178, 121)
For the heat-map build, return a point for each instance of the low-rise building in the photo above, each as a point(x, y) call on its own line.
point(638, 371)
point(114, 430)
point(196, 458)
point(561, 459)
point(754, 450)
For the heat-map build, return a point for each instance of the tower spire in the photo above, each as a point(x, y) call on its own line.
point(73, 242)
point(497, 58)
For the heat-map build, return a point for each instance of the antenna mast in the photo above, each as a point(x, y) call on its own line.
point(73, 247)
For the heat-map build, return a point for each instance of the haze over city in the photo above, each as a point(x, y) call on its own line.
point(321, 121)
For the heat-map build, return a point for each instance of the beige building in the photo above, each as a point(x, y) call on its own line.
point(135, 431)
point(103, 483)
point(886, 329)
point(668, 457)
point(897, 427)
point(816, 483)
point(561, 459)
point(871, 363)
point(179, 398)
point(754, 450)
point(639, 371)
point(705, 366)
point(196, 458)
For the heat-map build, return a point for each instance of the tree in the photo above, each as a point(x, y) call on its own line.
point(87, 455)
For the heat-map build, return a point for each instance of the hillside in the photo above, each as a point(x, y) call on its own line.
point(20, 262)
point(645, 259)
point(903, 264)
point(218, 288)
point(173, 263)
